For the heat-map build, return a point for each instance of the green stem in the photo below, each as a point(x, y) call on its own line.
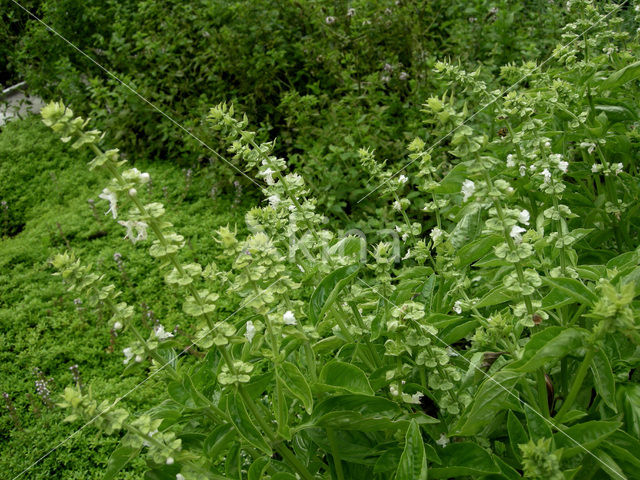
point(577, 383)
point(541, 386)
point(335, 453)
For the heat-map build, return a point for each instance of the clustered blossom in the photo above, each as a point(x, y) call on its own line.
point(251, 331)
point(468, 188)
point(289, 318)
point(523, 217)
point(160, 333)
point(111, 197)
point(516, 233)
point(140, 228)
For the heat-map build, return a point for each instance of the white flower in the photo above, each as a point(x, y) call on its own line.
point(510, 161)
point(274, 200)
point(292, 208)
point(117, 326)
point(617, 168)
point(133, 192)
point(169, 461)
point(140, 227)
point(403, 76)
point(443, 441)
point(589, 146)
point(523, 170)
point(351, 12)
point(128, 355)
point(145, 177)
point(415, 398)
point(457, 307)
point(547, 144)
point(251, 331)
point(435, 234)
point(563, 165)
point(452, 353)
point(112, 199)
point(138, 358)
point(402, 179)
point(523, 217)
point(179, 476)
point(547, 175)
point(397, 206)
point(405, 236)
point(289, 318)
point(516, 232)
point(468, 187)
point(595, 167)
point(394, 390)
point(161, 334)
point(532, 168)
point(329, 20)
point(268, 175)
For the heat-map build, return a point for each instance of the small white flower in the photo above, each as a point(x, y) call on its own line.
point(117, 326)
point(403, 76)
point(113, 201)
point(251, 331)
point(385, 78)
point(169, 461)
point(468, 187)
point(397, 206)
point(452, 353)
point(547, 175)
point(138, 358)
point(524, 217)
point(329, 20)
point(145, 177)
point(274, 200)
point(435, 234)
point(595, 168)
point(617, 168)
point(510, 161)
point(457, 307)
point(394, 390)
point(547, 144)
point(292, 208)
point(161, 334)
point(415, 398)
point(128, 355)
point(405, 236)
point(443, 441)
point(563, 165)
point(289, 318)
point(516, 233)
point(140, 228)
point(509, 189)
point(351, 12)
point(179, 476)
point(523, 170)
point(268, 175)
point(133, 192)
point(589, 146)
point(402, 179)
point(532, 168)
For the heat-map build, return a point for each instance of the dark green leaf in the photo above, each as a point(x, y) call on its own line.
point(603, 380)
point(118, 459)
point(517, 434)
point(573, 288)
point(549, 345)
point(243, 423)
point(295, 383)
point(622, 76)
point(258, 468)
point(345, 377)
point(587, 435)
point(464, 459)
point(328, 290)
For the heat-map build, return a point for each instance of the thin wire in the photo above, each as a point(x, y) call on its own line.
point(185, 350)
point(553, 55)
point(509, 392)
point(135, 92)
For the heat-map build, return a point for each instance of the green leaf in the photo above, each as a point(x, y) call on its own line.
point(573, 288)
point(536, 424)
point(118, 459)
point(517, 434)
point(295, 383)
point(494, 395)
point(494, 297)
point(628, 397)
point(609, 466)
point(588, 435)
point(219, 441)
point(475, 250)
point(464, 459)
point(549, 345)
point(413, 461)
point(452, 182)
point(345, 377)
point(258, 468)
point(328, 290)
point(622, 76)
point(603, 380)
point(243, 423)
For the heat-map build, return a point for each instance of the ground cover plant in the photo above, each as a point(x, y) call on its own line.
point(477, 318)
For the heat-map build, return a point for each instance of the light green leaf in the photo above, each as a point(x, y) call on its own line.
point(588, 435)
point(413, 461)
point(622, 76)
point(603, 380)
point(464, 459)
point(118, 459)
point(295, 383)
point(573, 288)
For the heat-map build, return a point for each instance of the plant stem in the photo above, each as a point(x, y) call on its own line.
point(577, 383)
